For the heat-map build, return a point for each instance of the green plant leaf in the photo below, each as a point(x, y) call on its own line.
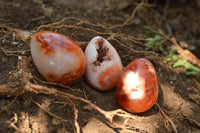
point(191, 73)
point(172, 52)
point(152, 42)
point(149, 39)
point(161, 49)
point(172, 58)
point(179, 62)
point(189, 66)
point(147, 27)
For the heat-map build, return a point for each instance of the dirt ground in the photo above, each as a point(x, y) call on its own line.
point(179, 94)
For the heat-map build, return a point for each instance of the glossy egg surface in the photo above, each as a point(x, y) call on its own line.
point(104, 65)
point(137, 89)
point(58, 58)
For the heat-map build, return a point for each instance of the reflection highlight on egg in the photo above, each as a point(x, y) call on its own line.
point(133, 85)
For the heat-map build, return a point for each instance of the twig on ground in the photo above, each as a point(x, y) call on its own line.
point(198, 85)
point(164, 12)
point(131, 49)
point(24, 35)
point(56, 84)
point(169, 124)
point(48, 112)
point(75, 116)
point(16, 53)
point(7, 106)
point(79, 22)
point(13, 121)
point(139, 6)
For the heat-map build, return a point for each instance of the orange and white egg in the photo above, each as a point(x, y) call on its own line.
point(137, 89)
point(58, 58)
point(103, 64)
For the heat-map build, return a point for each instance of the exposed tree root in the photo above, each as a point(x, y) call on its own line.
point(23, 84)
point(169, 124)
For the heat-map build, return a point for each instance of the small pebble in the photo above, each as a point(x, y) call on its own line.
point(171, 82)
point(3, 41)
point(14, 43)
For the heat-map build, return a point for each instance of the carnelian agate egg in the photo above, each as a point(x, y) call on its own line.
point(58, 58)
point(104, 65)
point(137, 89)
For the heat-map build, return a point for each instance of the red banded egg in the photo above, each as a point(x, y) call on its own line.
point(104, 65)
point(137, 89)
point(58, 58)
